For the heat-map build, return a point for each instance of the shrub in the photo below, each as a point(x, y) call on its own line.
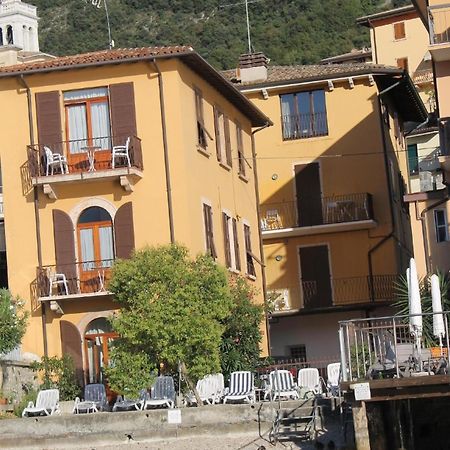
point(13, 321)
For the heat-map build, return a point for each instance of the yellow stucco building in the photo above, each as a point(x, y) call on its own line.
point(107, 152)
point(335, 229)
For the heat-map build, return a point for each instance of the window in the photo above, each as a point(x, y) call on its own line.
point(399, 30)
point(231, 242)
point(222, 131)
point(402, 63)
point(209, 235)
point(385, 115)
point(248, 252)
point(413, 160)
point(304, 115)
point(240, 150)
point(87, 119)
point(298, 352)
point(202, 133)
point(440, 223)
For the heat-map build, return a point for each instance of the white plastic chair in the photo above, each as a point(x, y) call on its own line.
point(121, 151)
point(47, 403)
point(57, 280)
point(55, 159)
point(333, 376)
point(281, 384)
point(309, 380)
point(241, 387)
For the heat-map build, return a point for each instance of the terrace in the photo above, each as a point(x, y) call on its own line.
point(308, 216)
point(439, 29)
point(104, 158)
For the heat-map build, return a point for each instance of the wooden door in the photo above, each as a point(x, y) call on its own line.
point(315, 276)
point(309, 194)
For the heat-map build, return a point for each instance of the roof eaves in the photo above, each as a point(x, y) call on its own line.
point(366, 20)
point(324, 77)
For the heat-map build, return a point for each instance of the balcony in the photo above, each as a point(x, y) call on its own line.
point(439, 28)
point(301, 126)
point(66, 282)
point(309, 216)
point(335, 294)
point(85, 160)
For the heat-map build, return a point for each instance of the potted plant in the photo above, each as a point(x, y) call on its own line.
point(3, 399)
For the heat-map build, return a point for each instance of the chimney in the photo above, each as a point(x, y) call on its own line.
point(253, 67)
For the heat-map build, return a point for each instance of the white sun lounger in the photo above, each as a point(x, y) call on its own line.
point(241, 387)
point(47, 403)
point(281, 384)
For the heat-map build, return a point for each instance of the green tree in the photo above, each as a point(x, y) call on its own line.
point(172, 312)
point(58, 373)
point(240, 348)
point(13, 321)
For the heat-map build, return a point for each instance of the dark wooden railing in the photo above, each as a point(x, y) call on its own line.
point(81, 278)
point(328, 210)
point(301, 126)
point(79, 153)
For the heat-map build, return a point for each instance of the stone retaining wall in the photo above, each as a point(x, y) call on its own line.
point(15, 378)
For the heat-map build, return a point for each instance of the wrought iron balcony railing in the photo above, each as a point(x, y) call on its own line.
point(301, 126)
point(74, 279)
point(334, 292)
point(84, 156)
point(308, 211)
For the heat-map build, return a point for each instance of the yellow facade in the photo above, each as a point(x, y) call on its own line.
point(196, 177)
point(360, 158)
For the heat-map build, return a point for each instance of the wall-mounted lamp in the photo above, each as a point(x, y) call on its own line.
point(275, 176)
point(278, 258)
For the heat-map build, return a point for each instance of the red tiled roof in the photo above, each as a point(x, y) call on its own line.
point(93, 58)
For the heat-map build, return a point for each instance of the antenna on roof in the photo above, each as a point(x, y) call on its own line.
point(246, 3)
point(98, 4)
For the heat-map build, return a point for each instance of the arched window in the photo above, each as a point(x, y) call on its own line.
point(25, 38)
point(9, 35)
point(95, 238)
point(98, 326)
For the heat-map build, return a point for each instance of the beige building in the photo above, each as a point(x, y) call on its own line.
point(111, 151)
point(336, 232)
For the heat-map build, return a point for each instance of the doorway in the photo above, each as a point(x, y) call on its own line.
point(315, 277)
point(309, 194)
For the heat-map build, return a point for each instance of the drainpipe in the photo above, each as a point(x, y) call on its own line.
point(166, 151)
point(391, 206)
point(22, 80)
point(424, 226)
point(261, 246)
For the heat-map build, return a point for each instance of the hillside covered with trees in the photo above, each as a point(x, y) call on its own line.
point(287, 31)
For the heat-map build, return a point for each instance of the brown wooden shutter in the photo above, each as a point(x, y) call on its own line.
point(71, 345)
point(207, 215)
point(123, 112)
point(226, 236)
point(237, 255)
point(240, 149)
point(248, 251)
point(227, 141)
point(124, 231)
point(65, 248)
point(217, 133)
point(399, 30)
point(49, 120)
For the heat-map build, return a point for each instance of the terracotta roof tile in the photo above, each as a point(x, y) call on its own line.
point(98, 57)
point(277, 74)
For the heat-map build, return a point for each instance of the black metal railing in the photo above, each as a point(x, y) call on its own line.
point(83, 155)
point(349, 291)
point(439, 24)
point(309, 211)
point(72, 279)
point(301, 126)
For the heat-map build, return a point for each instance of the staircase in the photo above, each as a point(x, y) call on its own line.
point(301, 422)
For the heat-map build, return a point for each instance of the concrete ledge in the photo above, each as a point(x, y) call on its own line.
point(73, 430)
